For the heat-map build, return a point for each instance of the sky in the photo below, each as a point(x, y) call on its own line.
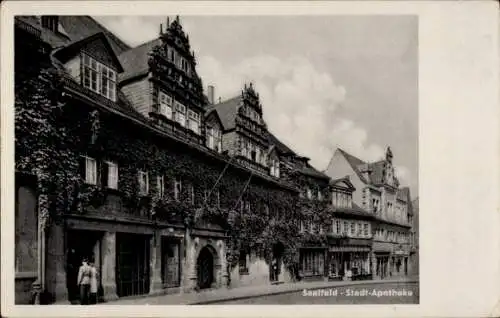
point(324, 81)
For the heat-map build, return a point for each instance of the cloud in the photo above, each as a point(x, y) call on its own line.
point(300, 105)
point(403, 174)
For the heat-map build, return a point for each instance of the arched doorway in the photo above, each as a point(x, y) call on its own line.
point(205, 266)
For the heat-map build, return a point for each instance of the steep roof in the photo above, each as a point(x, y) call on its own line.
point(403, 194)
point(82, 26)
point(377, 172)
point(70, 48)
point(135, 60)
point(280, 145)
point(355, 163)
point(227, 111)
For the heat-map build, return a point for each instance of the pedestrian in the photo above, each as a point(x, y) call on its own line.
point(84, 274)
point(93, 282)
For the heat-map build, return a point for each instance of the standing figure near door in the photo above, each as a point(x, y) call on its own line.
point(93, 282)
point(84, 274)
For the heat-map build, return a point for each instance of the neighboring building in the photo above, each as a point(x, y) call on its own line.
point(350, 243)
point(378, 192)
point(315, 196)
point(143, 178)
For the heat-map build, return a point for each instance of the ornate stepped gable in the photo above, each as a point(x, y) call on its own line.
point(249, 120)
point(173, 66)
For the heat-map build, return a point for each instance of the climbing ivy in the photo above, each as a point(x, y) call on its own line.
point(53, 131)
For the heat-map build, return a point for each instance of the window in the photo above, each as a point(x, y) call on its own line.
point(308, 193)
point(171, 54)
point(50, 22)
point(184, 65)
point(143, 183)
point(177, 188)
point(194, 121)
point(320, 195)
point(165, 105)
point(180, 114)
point(90, 172)
point(353, 228)
point(345, 229)
point(191, 194)
point(359, 229)
point(99, 77)
point(111, 177)
point(214, 139)
point(257, 154)
point(337, 226)
point(160, 186)
point(365, 230)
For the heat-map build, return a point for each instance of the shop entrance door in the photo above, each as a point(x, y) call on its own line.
point(81, 244)
point(132, 264)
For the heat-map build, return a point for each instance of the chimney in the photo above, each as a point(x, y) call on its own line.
point(211, 92)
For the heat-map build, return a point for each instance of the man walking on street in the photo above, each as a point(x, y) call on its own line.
point(84, 274)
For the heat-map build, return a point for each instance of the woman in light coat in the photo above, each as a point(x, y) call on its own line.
point(93, 283)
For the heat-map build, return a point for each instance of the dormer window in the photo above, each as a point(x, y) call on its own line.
point(165, 105)
point(342, 199)
point(214, 139)
point(99, 78)
point(275, 168)
point(50, 22)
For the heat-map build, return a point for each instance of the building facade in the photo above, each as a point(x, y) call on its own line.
point(135, 168)
point(351, 238)
point(379, 193)
point(123, 159)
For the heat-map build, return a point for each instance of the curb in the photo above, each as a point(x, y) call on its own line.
point(293, 290)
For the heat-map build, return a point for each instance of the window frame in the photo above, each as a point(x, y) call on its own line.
point(112, 166)
point(86, 178)
point(141, 174)
point(92, 66)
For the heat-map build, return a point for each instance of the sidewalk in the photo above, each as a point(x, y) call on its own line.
point(216, 295)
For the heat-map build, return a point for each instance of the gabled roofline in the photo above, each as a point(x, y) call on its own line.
point(93, 37)
point(216, 114)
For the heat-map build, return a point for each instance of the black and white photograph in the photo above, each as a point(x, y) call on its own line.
point(221, 160)
point(215, 160)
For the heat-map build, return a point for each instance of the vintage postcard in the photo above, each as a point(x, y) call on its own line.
point(177, 157)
